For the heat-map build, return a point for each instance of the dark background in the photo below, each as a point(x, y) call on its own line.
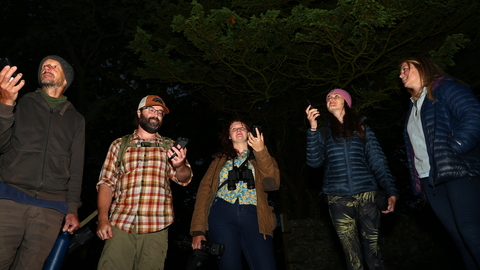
point(96, 38)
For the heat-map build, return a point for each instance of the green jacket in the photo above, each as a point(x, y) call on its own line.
point(267, 178)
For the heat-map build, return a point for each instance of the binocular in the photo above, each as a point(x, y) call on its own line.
point(240, 174)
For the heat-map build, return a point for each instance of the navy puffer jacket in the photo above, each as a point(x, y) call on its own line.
point(451, 124)
point(352, 166)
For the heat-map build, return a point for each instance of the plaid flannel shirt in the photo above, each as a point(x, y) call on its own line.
point(142, 195)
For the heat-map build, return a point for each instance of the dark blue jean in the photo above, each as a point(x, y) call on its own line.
point(236, 226)
point(457, 205)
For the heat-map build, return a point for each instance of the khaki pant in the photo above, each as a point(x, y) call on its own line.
point(27, 234)
point(127, 251)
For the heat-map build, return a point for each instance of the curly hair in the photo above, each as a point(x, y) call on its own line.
point(227, 144)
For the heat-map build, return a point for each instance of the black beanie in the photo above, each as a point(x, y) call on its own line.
point(67, 69)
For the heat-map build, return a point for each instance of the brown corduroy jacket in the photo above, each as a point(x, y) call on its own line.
point(267, 178)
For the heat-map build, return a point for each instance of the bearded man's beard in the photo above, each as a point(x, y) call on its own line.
point(150, 125)
point(48, 84)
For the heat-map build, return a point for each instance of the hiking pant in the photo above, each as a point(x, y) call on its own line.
point(357, 220)
point(27, 234)
point(127, 251)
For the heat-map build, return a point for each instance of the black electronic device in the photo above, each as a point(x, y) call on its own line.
point(4, 61)
point(312, 107)
point(182, 142)
point(211, 248)
point(197, 258)
point(254, 130)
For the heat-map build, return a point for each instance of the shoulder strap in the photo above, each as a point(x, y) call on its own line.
point(244, 164)
point(249, 157)
point(125, 143)
point(123, 146)
point(166, 143)
point(222, 184)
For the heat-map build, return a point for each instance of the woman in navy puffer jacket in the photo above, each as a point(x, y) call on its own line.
point(442, 135)
point(355, 166)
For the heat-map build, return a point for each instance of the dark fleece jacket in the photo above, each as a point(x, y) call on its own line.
point(42, 149)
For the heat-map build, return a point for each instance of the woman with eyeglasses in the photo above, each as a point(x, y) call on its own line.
point(232, 207)
point(442, 135)
point(355, 167)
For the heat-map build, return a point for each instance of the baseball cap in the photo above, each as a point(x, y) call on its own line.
point(152, 100)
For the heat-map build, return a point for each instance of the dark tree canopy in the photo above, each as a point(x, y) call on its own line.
point(262, 60)
point(259, 60)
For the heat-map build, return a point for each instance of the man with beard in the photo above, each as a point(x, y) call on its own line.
point(42, 143)
point(136, 232)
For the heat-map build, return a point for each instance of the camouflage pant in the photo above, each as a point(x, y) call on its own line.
point(357, 219)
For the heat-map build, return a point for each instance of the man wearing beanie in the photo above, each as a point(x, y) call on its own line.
point(42, 141)
point(136, 174)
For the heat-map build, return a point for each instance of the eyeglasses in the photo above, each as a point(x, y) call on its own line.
point(235, 129)
point(153, 111)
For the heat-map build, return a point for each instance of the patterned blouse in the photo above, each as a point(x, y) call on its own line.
point(242, 193)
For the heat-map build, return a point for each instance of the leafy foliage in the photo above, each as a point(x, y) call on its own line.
point(260, 60)
point(264, 63)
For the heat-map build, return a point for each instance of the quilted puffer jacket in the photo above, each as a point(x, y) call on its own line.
point(352, 165)
point(451, 124)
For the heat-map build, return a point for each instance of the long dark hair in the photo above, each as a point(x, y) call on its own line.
point(428, 72)
point(227, 144)
point(351, 124)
